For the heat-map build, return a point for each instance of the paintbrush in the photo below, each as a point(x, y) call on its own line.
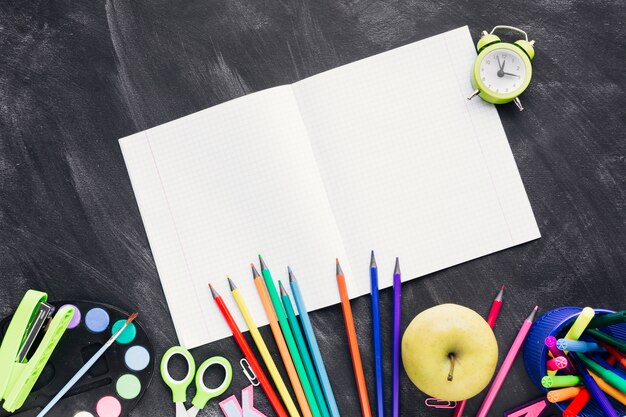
point(82, 371)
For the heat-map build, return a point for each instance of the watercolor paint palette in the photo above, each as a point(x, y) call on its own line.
point(113, 386)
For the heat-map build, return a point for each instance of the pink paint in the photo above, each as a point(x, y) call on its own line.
point(109, 407)
point(231, 408)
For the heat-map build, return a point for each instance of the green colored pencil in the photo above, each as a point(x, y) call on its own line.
point(304, 352)
point(291, 343)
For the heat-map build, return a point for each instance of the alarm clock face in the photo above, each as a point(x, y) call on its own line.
point(503, 71)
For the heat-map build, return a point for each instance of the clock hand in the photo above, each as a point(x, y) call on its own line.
point(508, 73)
point(500, 72)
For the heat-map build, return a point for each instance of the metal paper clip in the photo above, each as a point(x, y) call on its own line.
point(435, 403)
point(247, 370)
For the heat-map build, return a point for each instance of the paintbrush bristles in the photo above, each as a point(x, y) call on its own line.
point(131, 318)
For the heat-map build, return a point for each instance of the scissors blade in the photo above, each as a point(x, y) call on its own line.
point(193, 411)
point(181, 411)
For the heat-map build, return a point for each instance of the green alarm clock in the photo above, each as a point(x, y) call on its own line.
point(502, 70)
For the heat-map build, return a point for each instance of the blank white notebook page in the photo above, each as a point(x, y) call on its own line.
point(385, 153)
point(411, 167)
point(220, 186)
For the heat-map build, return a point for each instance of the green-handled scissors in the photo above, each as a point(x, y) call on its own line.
point(203, 393)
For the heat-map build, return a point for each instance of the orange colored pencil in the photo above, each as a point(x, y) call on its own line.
point(280, 342)
point(357, 365)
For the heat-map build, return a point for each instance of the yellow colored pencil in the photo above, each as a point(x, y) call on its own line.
point(265, 354)
point(280, 342)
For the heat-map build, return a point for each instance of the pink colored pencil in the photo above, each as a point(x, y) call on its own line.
point(491, 321)
point(506, 365)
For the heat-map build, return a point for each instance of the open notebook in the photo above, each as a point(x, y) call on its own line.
point(385, 153)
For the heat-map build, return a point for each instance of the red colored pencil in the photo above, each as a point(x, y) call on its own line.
point(247, 352)
point(496, 305)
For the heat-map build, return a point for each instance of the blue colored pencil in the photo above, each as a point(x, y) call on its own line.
point(313, 346)
point(378, 354)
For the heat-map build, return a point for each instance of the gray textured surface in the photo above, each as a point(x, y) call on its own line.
point(76, 76)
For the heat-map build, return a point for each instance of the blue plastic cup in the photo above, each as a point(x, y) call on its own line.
point(554, 323)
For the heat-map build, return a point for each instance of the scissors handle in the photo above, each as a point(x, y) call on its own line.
point(178, 387)
point(204, 393)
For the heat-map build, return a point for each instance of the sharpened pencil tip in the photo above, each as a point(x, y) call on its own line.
point(288, 269)
point(292, 277)
point(283, 292)
point(232, 285)
point(262, 263)
point(500, 294)
point(373, 261)
point(338, 267)
point(213, 291)
point(396, 269)
point(533, 314)
point(255, 273)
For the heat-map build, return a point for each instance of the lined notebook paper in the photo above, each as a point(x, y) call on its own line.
point(385, 153)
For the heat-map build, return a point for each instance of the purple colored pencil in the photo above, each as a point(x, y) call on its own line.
point(395, 381)
point(593, 388)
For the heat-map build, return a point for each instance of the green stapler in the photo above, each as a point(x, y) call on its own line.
point(19, 369)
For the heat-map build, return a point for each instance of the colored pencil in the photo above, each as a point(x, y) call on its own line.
point(378, 348)
point(506, 365)
point(395, 354)
point(353, 343)
point(280, 342)
point(494, 312)
point(313, 346)
point(291, 343)
point(304, 351)
point(83, 370)
point(247, 352)
point(265, 353)
point(496, 305)
point(592, 386)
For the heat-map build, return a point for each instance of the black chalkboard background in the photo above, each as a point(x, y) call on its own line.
point(77, 76)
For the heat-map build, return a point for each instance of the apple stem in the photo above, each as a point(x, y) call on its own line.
point(452, 360)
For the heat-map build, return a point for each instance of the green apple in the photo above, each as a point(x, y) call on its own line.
point(449, 352)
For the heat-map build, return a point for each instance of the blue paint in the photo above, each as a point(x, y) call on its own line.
point(97, 320)
point(137, 358)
